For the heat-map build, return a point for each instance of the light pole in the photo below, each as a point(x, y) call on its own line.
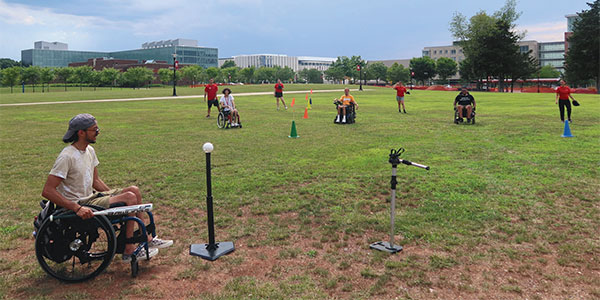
point(359, 77)
point(174, 75)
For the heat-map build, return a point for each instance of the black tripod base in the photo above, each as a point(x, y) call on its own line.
point(202, 250)
point(385, 246)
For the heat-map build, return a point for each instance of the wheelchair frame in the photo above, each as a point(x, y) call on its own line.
point(223, 120)
point(458, 120)
point(71, 249)
point(350, 113)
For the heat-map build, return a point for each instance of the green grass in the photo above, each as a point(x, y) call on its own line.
point(508, 191)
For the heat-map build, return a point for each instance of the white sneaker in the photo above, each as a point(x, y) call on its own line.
point(344, 119)
point(159, 244)
point(338, 119)
point(286, 108)
point(141, 255)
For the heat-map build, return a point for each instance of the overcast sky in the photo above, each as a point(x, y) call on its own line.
point(376, 29)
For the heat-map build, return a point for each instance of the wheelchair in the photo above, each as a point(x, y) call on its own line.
point(350, 113)
point(458, 120)
point(224, 121)
point(71, 249)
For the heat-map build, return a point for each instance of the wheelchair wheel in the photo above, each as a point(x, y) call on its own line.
point(73, 249)
point(221, 120)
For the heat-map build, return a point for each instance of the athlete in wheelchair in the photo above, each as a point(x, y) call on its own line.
point(72, 243)
point(228, 112)
point(465, 108)
point(346, 108)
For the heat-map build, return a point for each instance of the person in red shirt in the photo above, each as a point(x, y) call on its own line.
point(279, 93)
point(563, 93)
point(211, 90)
point(400, 90)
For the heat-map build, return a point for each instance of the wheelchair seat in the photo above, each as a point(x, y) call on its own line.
point(350, 113)
point(458, 120)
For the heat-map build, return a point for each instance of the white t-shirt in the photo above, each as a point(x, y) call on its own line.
point(76, 168)
point(227, 102)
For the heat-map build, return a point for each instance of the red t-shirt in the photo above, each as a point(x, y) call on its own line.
point(563, 92)
point(211, 90)
point(279, 87)
point(400, 90)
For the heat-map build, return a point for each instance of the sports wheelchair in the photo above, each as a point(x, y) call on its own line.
point(458, 120)
point(350, 113)
point(71, 249)
point(224, 120)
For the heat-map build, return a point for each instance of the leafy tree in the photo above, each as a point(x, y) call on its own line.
point(397, 73)
point(335, 72)
point(165, 75)
point(46, 76)
point(64, 75)
point(31, 75)
point(192, 73)
point(377, 71)
point(524, 66)
point(424, 68)
point(285, 73)
point(108, 76)
point(489, 42)
point(247, 74)
point(8, 63)
point(445, 67)
point(548, 71)
point(228, 64)
point(311, 75)
point(265, 74)
point(82, 75)
point(138, 76)
point(583, 58)
point(95, 79)
point(11, 76)
point(213, 73)
point(230, 74)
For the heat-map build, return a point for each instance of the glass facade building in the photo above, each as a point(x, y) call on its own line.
point(204, 57)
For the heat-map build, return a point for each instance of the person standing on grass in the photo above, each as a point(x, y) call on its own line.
point(563, 93)
point(74, 182)
point(400, 90)
point(211, 90)
point(279, 93)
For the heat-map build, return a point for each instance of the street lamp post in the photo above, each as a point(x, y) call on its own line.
point(174, 74)
point(359, 77)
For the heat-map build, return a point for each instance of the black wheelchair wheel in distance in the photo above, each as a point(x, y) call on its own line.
point(73, 249)
point(221, 120)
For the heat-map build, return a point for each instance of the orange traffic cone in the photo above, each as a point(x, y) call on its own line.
point(305, 113)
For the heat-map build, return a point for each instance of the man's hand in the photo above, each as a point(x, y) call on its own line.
point(85, 212)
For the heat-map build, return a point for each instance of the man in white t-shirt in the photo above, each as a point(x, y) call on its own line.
point(74, 181)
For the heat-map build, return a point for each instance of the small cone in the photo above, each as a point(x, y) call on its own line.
point(305, 113)
point(293, 133)
point(567, 132)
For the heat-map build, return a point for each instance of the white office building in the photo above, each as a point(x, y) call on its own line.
point(41, 45)
point(296, 63)
point(318, 63)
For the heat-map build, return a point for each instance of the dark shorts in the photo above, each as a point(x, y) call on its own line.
point(214, 102)
point(278, 94)
point(464, 104)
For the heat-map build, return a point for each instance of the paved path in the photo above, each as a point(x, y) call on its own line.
point(163, 98)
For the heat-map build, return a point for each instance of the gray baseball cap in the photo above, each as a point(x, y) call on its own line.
point(79, 122)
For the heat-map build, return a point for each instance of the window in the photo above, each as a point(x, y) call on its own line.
point(524, 49)
point(434, 51)
point(452, 51)
point(445, 51)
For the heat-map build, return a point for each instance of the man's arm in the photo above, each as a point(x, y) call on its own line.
point(49, 192)
point(98, 184)
point(474, 105)
point(205, 93)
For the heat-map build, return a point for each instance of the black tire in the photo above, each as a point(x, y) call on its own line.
point(473, 120)
point(221, 120)
point(73, 249)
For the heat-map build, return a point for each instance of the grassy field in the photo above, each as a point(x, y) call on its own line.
point(508, 210)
